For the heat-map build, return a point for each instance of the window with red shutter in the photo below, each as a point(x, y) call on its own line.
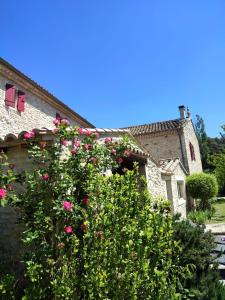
point(21, 101)
point(192, 151)
point(10, 93)
point(57, 115)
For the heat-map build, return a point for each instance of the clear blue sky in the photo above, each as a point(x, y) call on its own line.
point(122, 62)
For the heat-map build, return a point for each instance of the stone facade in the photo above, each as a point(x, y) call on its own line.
point(10, 245)
point(161, 145)
point(156, 185)
point(188, 136)
point(37, 114)
point(172, 143)
point(40, 106)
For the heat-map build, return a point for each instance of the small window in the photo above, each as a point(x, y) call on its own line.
point(192, 151)
point(180, 189)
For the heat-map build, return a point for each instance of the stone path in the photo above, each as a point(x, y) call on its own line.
point(216, 228)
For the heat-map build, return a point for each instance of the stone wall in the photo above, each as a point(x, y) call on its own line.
point(10, 245)
point(162, 145)
point(172, 180)
point(18, 155)
point(156, 185)
point(193, 166)
point(38, 113)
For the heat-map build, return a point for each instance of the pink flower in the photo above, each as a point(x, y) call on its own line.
point(68, 206)
point(56, 121)
point(55, 130)
point(77, 143)
point(108, 140)
point(45, 176)
point(87, 146)
point(85, 201)
point(64, 142)
point(28, 135)
point(119, 160)
point(97, 135)
point(3, 193)
point(94, 160)
point(65, 122)
point(68, 229)
point(73, 151)
point(80, 130)
point(88, 132)
point(127, 153)
point(113, 151)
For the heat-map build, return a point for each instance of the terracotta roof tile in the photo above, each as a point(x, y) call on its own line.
point(156, 127)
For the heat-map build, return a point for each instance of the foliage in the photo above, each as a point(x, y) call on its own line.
point(202, 186)
point(218, 161)
point(7, 195)
point(219, 208)
point(208, 146)
point(202, 139)
point(8, 179)
point(199, 216)
point(91, 236)
point(197, 247)
point(6, 284)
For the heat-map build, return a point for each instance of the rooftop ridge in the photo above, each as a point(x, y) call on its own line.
point(156, 126)
point(146, 124)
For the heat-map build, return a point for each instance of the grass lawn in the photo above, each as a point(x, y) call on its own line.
point(219, 216)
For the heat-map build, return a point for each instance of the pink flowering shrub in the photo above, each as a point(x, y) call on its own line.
point(92, 236)
point(7, 180)
point(68, 206)
point(2, 193)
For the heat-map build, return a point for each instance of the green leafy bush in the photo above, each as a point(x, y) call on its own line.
point(218, 161)
point(197, 247)
point(92, 236)
point(202, 186)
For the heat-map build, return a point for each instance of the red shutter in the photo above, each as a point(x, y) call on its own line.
point(10, 93)
point(192, 151)
point(21, 101)
point(57, 116)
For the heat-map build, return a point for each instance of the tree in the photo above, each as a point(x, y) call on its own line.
point(202, 186)
point(218, 161)
point(203, 141)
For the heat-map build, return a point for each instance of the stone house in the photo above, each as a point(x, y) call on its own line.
point(174, 146)
point(167, 151)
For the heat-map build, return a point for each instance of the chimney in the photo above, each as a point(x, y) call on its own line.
point(188, 113)
point(182, 111)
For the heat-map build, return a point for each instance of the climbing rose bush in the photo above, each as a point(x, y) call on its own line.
point(88, 235)
point(7, 181)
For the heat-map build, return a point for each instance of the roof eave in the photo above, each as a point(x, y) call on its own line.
point(59, 103)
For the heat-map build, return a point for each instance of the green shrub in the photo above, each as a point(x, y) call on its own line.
point(197, 247)
point(91, 236)
point(218, 161)
point(200, 217)
point(202, 186)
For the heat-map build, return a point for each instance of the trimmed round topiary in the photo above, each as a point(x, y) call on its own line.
point(202, 186)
